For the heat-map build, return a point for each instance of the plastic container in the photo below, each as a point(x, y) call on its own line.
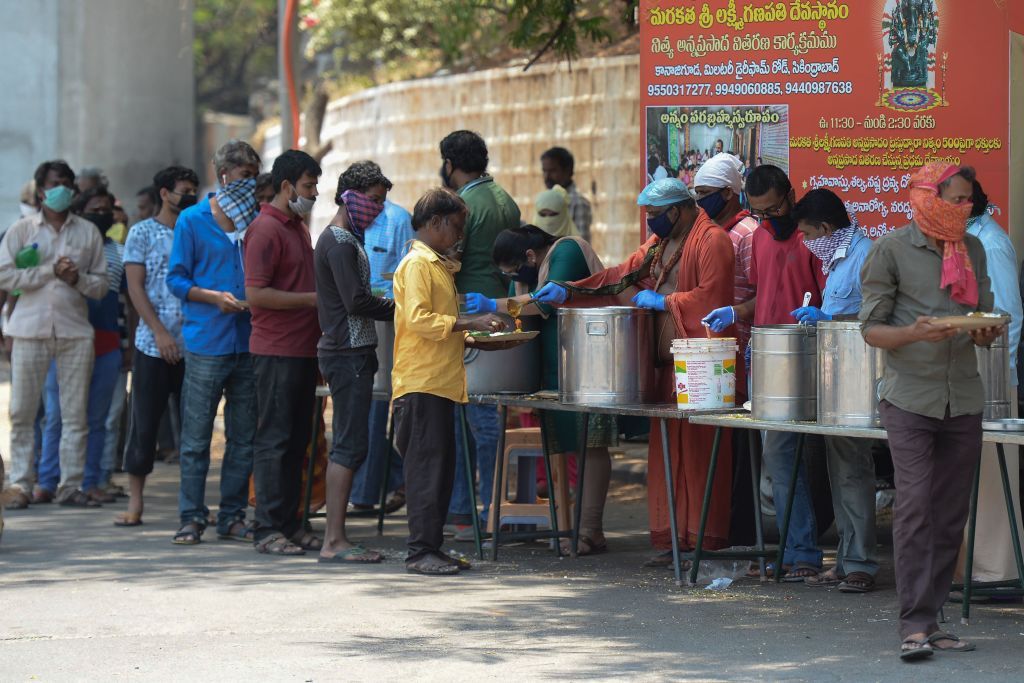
point(705, 373)
point(27, 257)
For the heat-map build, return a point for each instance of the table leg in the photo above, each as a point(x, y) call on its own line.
point(972, 520)
point(580, 470)
point(471, 481)
point(387, 472)
point(784, 529)
point(755, 484)
point(1012, 514)
point(705, 508)
point(499, 478)
point(552, 511)
point(318, 408)
point(666, 458)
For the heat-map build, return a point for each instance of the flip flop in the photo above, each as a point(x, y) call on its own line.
point(912, 649)
point(961, 646)
point(593, 548)
point(800, 573)
point(128, 520)
point(825, 579)
point(357, 554)
point(432, 566)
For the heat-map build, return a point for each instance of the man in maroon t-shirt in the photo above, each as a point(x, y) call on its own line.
point(280, 286)
point(782, 271)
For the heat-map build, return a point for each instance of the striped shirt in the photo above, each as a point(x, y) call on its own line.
point(579, 209)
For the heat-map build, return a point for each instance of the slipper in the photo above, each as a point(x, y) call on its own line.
point(587, 546)
point(769, 570)
point(664, 561)
point(458, 561)
point(857, 582)
point(912, 650)
point(357, 554)
point(825, 579)
point(432, 566)
point(800, 573)
point(961, 646)
point(128, 520)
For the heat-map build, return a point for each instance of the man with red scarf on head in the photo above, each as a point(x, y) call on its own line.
point(686, 267)
point(931, 396)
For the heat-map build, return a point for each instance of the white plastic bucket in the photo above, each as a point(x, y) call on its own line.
point(705, 373)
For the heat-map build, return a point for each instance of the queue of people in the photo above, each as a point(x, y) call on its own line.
point(235, 302)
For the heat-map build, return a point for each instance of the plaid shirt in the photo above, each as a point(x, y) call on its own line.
point(579, 209)
point(741, 232)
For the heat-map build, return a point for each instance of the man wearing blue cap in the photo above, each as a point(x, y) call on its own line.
point(687, 265)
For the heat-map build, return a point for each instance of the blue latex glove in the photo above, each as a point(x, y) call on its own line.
point(648, 298)
point(810, 315)
point(478, 303)
point(551, 293)
point(720, 318)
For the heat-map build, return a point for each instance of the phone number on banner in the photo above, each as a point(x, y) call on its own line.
point(731, 89)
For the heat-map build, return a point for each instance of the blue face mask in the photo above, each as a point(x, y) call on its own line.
point(58, 198)
point(661, 225)
point(713, 204)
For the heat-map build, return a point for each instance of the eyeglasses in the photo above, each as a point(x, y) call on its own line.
point(770, 212)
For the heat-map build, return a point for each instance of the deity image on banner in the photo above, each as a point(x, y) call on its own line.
point(908, 66)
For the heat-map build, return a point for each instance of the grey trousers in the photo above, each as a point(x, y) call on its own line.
point(851, 472)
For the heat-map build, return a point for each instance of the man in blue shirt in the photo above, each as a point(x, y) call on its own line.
point(387, 241)
point(830, 235)
point(206, 273)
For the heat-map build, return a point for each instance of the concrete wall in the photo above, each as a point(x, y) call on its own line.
point(105, 83)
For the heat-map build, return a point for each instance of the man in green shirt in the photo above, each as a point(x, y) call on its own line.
point(491, 211)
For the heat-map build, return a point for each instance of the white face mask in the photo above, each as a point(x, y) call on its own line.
point(301, 205)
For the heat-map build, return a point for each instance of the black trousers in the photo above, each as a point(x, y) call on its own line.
point(285, 397)
point(153, 382)
point(425, 437)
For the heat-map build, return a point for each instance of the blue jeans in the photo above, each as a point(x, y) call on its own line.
point(101, 390)
point(779, 453)
point(366, 485)
point(483, 442)
point(207, 378)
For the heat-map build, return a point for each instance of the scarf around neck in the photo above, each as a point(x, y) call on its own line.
point(947, 224)
point(826, 248)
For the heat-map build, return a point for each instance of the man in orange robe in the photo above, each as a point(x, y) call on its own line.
point(687, 266)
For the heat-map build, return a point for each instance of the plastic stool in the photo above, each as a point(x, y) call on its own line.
point(524, 446)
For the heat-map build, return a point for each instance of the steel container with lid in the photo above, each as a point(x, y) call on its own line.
point(994, 368)
point(849, 372)
point(784, 372)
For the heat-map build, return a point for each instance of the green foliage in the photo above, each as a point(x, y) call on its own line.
point(235, 49)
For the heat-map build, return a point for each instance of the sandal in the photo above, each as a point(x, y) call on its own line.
point(800, 573)
point(128, 519)
point(857, 582)
point(457, 561)
point(959, 646)
point(769, 570)
point(239, 531)
point(308, 540)
point(188, 534)
point(588, 546)
point(395, 502)
point(278, 544)
point(825, 579)
point(432, 565)
point(912, 649)
point(357, 554)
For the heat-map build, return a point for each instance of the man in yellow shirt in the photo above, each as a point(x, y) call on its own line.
point(429, 378)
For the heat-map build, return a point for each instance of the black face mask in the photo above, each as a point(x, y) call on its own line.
point(186, 201)
point(783, 226)
point(445, 178)
point(103, 221)
point(526, 274)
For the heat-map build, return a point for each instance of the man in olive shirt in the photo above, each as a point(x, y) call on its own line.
point(491, 211)
point(931, 394)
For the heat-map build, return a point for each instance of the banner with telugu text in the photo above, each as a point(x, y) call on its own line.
point(851, 96)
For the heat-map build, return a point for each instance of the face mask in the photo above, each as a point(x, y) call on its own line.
point(301, 205)
point(58, 199)
point(118, 232)
point(103, 221)
point(186, 200)
point(238, 202)
point(26, 209)
point(661, 225)
point(713, 204)
point(526, 274)
point(783, 227)
point(445, 178)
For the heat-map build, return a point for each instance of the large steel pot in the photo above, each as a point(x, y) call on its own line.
point(512, 371)
point(606, 356)
point(994, 368)
point(849, 372)
point(385, 356)
point(784, 372)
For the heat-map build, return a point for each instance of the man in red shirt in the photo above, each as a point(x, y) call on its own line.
point(280, 286)
point(782, 270)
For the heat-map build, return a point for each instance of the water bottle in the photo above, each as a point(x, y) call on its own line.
point(28, 257)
